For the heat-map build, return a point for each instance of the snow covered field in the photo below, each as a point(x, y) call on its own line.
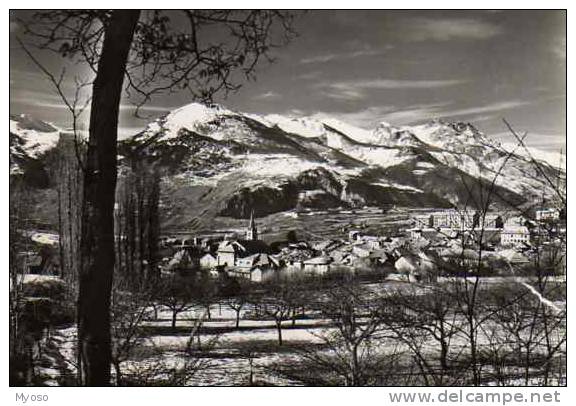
point(231, 355)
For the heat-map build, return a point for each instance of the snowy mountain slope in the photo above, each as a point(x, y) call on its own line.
point(216, 161)
point(29, 140)
point(230, 162)
point(554, 159)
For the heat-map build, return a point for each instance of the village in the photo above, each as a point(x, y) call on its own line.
point(276, 296)
point(435, 240)
point(415, 254)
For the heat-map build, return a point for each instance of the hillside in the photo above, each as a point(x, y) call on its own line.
point(223, 162)
point(219, 162)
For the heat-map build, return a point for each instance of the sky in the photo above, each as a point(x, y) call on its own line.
point(365, 67)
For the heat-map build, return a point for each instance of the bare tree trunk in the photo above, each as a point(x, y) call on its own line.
point(118, 371)
point(97, 238)
point(279, 328)
point(174, 315)
point(355, 367)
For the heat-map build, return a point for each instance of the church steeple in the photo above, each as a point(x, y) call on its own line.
point(252, 231)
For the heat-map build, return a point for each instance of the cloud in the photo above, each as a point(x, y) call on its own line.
point(57, 104)
point(445, 29)
point(551, 143)
point(309, 75)
point(342, 93)
point(269, 95)
point(366, 118)
point(368, 51)
point(418, 113)
point(355, 90)
point(488, 108)
point(413, 114)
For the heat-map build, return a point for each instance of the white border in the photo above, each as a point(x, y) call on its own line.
point(259, 396)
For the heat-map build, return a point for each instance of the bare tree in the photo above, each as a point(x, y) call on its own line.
point(424, 320)
point(130, 308)
point(237, 296)
point(353, 350)
point(278, 299)
point(21, 359)
point(69, 189)
point(177, 294)
point(168, 51)
point(137, 224)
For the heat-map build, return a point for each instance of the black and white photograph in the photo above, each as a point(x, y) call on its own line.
point(286, 197)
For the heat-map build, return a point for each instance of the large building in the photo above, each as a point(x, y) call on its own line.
point(459, 220)
point(515, 235)
point(547, 214)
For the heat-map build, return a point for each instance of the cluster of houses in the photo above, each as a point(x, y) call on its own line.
point(435, 238)
point(253, 259)
point(506, 229)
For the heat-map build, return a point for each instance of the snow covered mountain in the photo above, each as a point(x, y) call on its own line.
point(223, 162)
point(216, 161)
point(29, 140)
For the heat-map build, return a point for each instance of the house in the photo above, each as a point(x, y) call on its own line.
point(258, 274)
point(226, 253)
point(417, 267)
point(515, 235)
point(326, 246)
point(380, 257)
point(414, 232)
point(254, 274)
point(489, 235)
point(208, 261)
point(362, 250)
point(180, 260)
point(547, 214)
point(424, 220)
point(514, 221)
point(230, 251)
point(340, 255)
point(354, 235)
point(318, 265)
point(460, 254)
point(261, 260)
point(294, 255)
point(292, 267)
point(372, 241)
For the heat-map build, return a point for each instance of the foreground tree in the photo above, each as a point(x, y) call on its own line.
point(137, 225)
point(194, 50)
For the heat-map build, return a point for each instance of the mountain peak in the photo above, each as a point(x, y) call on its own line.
point(27, 122)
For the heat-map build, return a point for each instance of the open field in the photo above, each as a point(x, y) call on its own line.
point(326, 224)
point(230, 355)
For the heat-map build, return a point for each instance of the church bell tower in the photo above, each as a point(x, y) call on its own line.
point(252, 231)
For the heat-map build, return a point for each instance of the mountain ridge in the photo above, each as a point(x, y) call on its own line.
point(216, 161)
